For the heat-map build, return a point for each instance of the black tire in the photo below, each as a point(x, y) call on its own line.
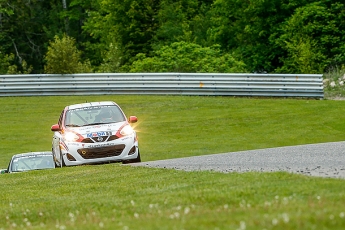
point(56, 166)
point(62, 163)
point(136, 160)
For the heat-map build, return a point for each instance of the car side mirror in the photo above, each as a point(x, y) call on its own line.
point(55, 128)
point(133, 119)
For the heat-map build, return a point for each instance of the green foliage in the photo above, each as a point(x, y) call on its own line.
point(254, 31)
point(64, 58)
point(126, 24)
point(26, 31)
point(5, 62)
point(246, 28)
point(314, 37)
point(182, 20)
point(75, 16)
point(23, 68)
point(300, 36)
point(113, 59)
point(188, 57)
point(5, 8)
point(303, 57)
point(7, 65)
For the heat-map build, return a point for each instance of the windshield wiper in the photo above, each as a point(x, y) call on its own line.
point(73, 125)
point(96, 123)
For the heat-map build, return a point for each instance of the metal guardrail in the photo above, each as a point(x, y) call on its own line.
point(268, 85)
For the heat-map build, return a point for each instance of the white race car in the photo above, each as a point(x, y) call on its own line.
point(92, 133)
point(23, 162)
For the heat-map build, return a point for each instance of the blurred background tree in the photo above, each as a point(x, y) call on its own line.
point(187, 57)
point(273, 36)
point(63, 57)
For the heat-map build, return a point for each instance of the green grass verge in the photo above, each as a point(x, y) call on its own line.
point(122, 197)
point(115, 196)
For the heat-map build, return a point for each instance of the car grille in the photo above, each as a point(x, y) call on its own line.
point(108, 151)
point(100, 139)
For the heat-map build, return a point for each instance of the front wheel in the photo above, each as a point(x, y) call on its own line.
point(136, 160)
point(58, 160)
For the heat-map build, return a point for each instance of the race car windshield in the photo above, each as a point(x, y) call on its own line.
point(94, 115)
point(32, 162)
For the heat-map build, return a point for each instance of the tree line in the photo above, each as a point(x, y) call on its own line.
point(74, 36)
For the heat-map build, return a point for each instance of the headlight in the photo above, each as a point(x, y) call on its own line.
point(71, 137)
point(126, 130)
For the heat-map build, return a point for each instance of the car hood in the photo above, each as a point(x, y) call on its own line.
point(98, 130)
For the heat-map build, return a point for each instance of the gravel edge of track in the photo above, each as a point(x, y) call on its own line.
point(322, 160)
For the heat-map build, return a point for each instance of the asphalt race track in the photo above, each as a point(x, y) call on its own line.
point(322, 160)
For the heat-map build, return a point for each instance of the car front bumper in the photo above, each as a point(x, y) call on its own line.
point(122, 149)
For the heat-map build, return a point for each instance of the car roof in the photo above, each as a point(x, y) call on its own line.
point(89, 104)
point(31, 154)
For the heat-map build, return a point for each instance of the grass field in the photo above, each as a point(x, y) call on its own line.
point(115, 196)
